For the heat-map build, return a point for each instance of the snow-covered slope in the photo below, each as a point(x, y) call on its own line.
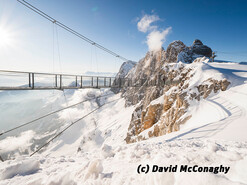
point(93, 151)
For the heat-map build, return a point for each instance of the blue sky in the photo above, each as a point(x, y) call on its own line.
point(33, 44)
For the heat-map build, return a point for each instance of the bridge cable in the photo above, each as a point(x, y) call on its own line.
point(27, 123)
point(59, 60)
point(69, 127)
point(1, 159)
point(91, 69)
point(38, 11)
point(96, 60)
point(58, 50)
point(53, 59)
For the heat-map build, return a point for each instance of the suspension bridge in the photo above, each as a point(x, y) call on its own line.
point(21, 80)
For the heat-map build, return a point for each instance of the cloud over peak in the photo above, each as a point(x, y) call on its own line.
point(155, 37)
point(144, 24)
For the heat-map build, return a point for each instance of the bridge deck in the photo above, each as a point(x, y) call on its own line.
point(18, 80)
point(49, 88)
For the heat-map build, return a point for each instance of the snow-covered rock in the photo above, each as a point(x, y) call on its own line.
point(93, 170)
point(125, 68)
point(123, 71)
point(107, 151)
point(173, 50)
point(189, 54)
point(21, 168)
point(178, 81)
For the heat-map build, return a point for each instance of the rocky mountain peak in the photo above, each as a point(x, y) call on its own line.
point(123, 71)
point(125, 68)
point(173, 50)
point(161, 109)
point(198, 49)
point(197, 42)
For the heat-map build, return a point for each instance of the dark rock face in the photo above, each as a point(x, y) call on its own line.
point(198, 49)
point(178, 51)
point(197, 42)
point(173, 50)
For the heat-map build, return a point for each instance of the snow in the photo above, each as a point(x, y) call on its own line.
point(222, 115)
point(93, 151)
point(125, 68)
point(147, 63)
point(24, 167)
point(159, 100)
point(94, 169)
point(203, 71)
point(21, 142)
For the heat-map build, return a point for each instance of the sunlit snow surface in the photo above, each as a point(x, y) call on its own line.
point(93, 151)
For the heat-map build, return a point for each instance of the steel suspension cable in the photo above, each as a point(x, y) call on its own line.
point(58, 50)
point(69, 127)
point(27, 123)
point(38, 11)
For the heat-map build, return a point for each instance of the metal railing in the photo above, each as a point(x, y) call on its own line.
point(18, 80)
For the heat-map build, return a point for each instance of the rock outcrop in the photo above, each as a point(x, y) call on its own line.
point(162, 107)
point(125, 68)
point(173, 50)
point(189, 54)
point(123, 71)
point(146, 72)
point(200, 49)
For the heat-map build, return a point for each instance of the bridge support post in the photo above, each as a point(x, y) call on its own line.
point(81, 81)
point(1, 159)
point(32, 80)
point(110, 82)
point(61, 84)
point(119, 80)
point(105, 82)
point(29, 78)
point(97, 83)
point(92, 82)
point(55, 80)
point(76, 81)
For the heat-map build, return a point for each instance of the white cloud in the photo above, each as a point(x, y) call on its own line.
point(144, 24)
point(155, 39)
